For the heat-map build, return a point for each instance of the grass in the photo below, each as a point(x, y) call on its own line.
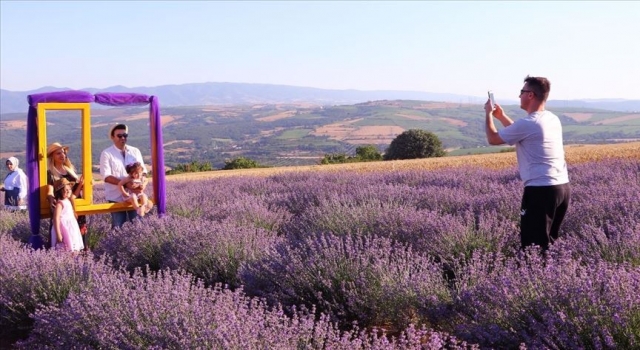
point(575, 154)
point(479, 150)
point(294, 134)
point(586, 130)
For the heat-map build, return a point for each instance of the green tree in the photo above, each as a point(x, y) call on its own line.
point(368, 153)
point(240, 163)
point(192, 167)
point(335, 158)
point(413, 144)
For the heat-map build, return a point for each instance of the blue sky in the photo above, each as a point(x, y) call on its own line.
point(587, 49)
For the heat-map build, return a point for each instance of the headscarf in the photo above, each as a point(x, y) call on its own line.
point(16, 165)
point(14, 161)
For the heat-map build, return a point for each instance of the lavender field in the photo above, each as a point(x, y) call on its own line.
point(406, 259)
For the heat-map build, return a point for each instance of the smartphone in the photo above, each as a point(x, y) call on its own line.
point(491, 99)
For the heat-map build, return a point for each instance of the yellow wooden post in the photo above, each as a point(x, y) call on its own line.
point(85, 167)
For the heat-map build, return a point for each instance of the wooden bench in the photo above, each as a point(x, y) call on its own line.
point(100, 208)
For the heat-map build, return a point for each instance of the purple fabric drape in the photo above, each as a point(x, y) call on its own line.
point(68, 96)
point(159, 188)
point(33, 179)
point(121, 99)
point(106, 98)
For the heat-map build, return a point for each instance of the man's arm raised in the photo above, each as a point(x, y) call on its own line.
point(492, 132)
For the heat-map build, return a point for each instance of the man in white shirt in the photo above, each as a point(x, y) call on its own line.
point(541, 162)
point(113, 162)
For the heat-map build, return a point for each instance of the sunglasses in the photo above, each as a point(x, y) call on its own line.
point(523, 91)
point(122, 136)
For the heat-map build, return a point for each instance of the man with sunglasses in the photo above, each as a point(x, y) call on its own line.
point(541, 162)
point(113, 162)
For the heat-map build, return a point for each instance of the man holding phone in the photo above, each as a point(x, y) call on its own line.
point(541, 161)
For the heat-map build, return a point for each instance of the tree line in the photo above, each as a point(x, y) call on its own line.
point(411, 144)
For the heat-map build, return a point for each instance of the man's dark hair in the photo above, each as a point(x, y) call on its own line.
point(540, 87)
point(118, 127)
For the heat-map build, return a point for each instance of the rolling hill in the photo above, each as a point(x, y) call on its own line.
point(302, 133)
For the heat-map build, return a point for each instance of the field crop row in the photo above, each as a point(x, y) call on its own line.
point(371, 258)
point(575, 154)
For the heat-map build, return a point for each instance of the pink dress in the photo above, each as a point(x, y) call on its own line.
point(71, 236)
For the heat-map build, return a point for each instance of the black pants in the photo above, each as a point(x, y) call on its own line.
point(11, 197)
point(543, 209)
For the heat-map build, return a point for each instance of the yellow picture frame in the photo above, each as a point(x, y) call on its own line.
point(85, 168)
point(84, 205)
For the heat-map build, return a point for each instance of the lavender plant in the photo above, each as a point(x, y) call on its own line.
point(212, 251)
point(9, 219)
point(556, 302)
point(21, 228)
point(604, 194)
point(98, 227)
point(170, 310)
point(443, 222)
point(372, 248)
point(604, 218)
point(248, 201)
point(368, 280)
point(30, 279)
point(615, 244)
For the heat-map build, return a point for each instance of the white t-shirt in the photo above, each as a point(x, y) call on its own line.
point(112, 163)
point(539, 148)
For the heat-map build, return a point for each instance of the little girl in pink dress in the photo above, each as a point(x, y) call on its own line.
point(66, 233)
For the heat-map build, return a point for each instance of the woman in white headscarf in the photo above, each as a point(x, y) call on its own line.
point(15, 186)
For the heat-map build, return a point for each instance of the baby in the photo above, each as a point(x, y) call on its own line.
point(139, 201)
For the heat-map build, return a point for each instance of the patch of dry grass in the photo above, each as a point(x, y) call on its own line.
point(575, 154)
point(579, 117)
point(623, 118)
point(14, 124)
point(281, 115)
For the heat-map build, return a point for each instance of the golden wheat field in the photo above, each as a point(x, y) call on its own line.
point(575, 154)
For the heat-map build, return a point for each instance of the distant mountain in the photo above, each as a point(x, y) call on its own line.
point(618, 105)
point(16, 101)
point(198, 94)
